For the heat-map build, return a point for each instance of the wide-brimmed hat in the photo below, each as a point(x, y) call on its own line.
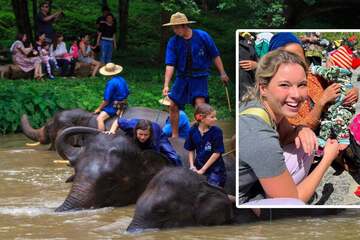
point(178, 19)
point(165, 101)
point(110, 69)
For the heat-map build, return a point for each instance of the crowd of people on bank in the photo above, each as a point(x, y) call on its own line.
point(49, 52)
point(296, 106)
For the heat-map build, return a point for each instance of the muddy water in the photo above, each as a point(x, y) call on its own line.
point(32, 186)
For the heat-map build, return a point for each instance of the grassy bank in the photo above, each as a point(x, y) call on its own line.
point(41, 99)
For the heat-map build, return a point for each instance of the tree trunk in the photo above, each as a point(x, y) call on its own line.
point(21, 12)
point(123, 25)
point(204, 5)
point(104, 3)
point(34, 13)
point(165, 33)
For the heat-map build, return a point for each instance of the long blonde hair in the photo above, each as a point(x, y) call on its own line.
point(268, 67)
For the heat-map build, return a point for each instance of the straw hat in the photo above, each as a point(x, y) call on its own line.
point(165, 101)
point(110, 69)
point(178, 19)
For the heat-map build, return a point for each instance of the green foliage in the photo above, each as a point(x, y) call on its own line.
point(40, 100)
point(186, 6)
point(265, 14)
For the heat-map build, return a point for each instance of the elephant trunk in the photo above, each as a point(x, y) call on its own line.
point(66, 150)
point(136, 226)
point(33, 134)
point(80, 197)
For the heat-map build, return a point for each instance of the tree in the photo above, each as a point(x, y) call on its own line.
point(34, 13)
point(21, 11)
point(123, 10)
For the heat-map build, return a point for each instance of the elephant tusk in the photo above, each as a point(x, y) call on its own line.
point(32, 144)
point(62, 161)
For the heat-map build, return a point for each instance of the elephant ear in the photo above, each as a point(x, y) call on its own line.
point(212, 206)
point(153, 161)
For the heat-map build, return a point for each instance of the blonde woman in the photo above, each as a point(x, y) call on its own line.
point(274, 156)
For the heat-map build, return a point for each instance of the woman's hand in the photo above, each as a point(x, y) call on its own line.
point(306, 139)
point(248, 65)
point(351, 96)
point(330, 94)
point(331, 150)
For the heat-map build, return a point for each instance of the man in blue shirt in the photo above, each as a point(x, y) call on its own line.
point(184, 123)
point(115, 95)
point(191, 53)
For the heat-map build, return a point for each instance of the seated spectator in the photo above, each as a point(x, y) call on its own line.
point(43, 48)
point(86, 54)
point(59, 51)
point(20, 56)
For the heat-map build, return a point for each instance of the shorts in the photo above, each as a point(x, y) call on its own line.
point(110, 110)
point(186, 89)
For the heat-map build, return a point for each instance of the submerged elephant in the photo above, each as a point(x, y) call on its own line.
point(178, 197)
point(110, 170)
point(78, 117)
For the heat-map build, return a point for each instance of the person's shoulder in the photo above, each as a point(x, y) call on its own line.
point(216, 130)
point(200, 32)
point(193, 129)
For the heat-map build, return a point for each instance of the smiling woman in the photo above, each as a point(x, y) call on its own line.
point(279, 164)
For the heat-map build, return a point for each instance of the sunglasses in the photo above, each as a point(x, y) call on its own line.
point(45, 6)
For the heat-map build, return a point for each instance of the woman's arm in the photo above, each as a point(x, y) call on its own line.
point(284, 186)
point(114, 127)
point(310, 116)
point(302, 136)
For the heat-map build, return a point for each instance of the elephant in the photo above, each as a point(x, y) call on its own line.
point(110, 170)
point(79, 117)
point(178, 197)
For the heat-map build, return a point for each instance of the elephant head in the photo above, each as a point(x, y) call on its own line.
point(110, 170)
point(178, 197)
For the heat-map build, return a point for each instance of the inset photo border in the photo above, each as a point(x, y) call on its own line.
point(298, 121)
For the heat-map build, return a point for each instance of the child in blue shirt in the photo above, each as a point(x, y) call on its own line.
point(115, 95)
point(206, 140)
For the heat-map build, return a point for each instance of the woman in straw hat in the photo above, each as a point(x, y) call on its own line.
point(191, 53)
point(115, 95)
point(184, 123)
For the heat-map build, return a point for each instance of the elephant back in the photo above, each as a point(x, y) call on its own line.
point(153, 115)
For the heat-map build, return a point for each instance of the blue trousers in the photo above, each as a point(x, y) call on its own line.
point(106, 48)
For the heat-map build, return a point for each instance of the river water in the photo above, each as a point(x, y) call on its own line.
point(32, 186)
